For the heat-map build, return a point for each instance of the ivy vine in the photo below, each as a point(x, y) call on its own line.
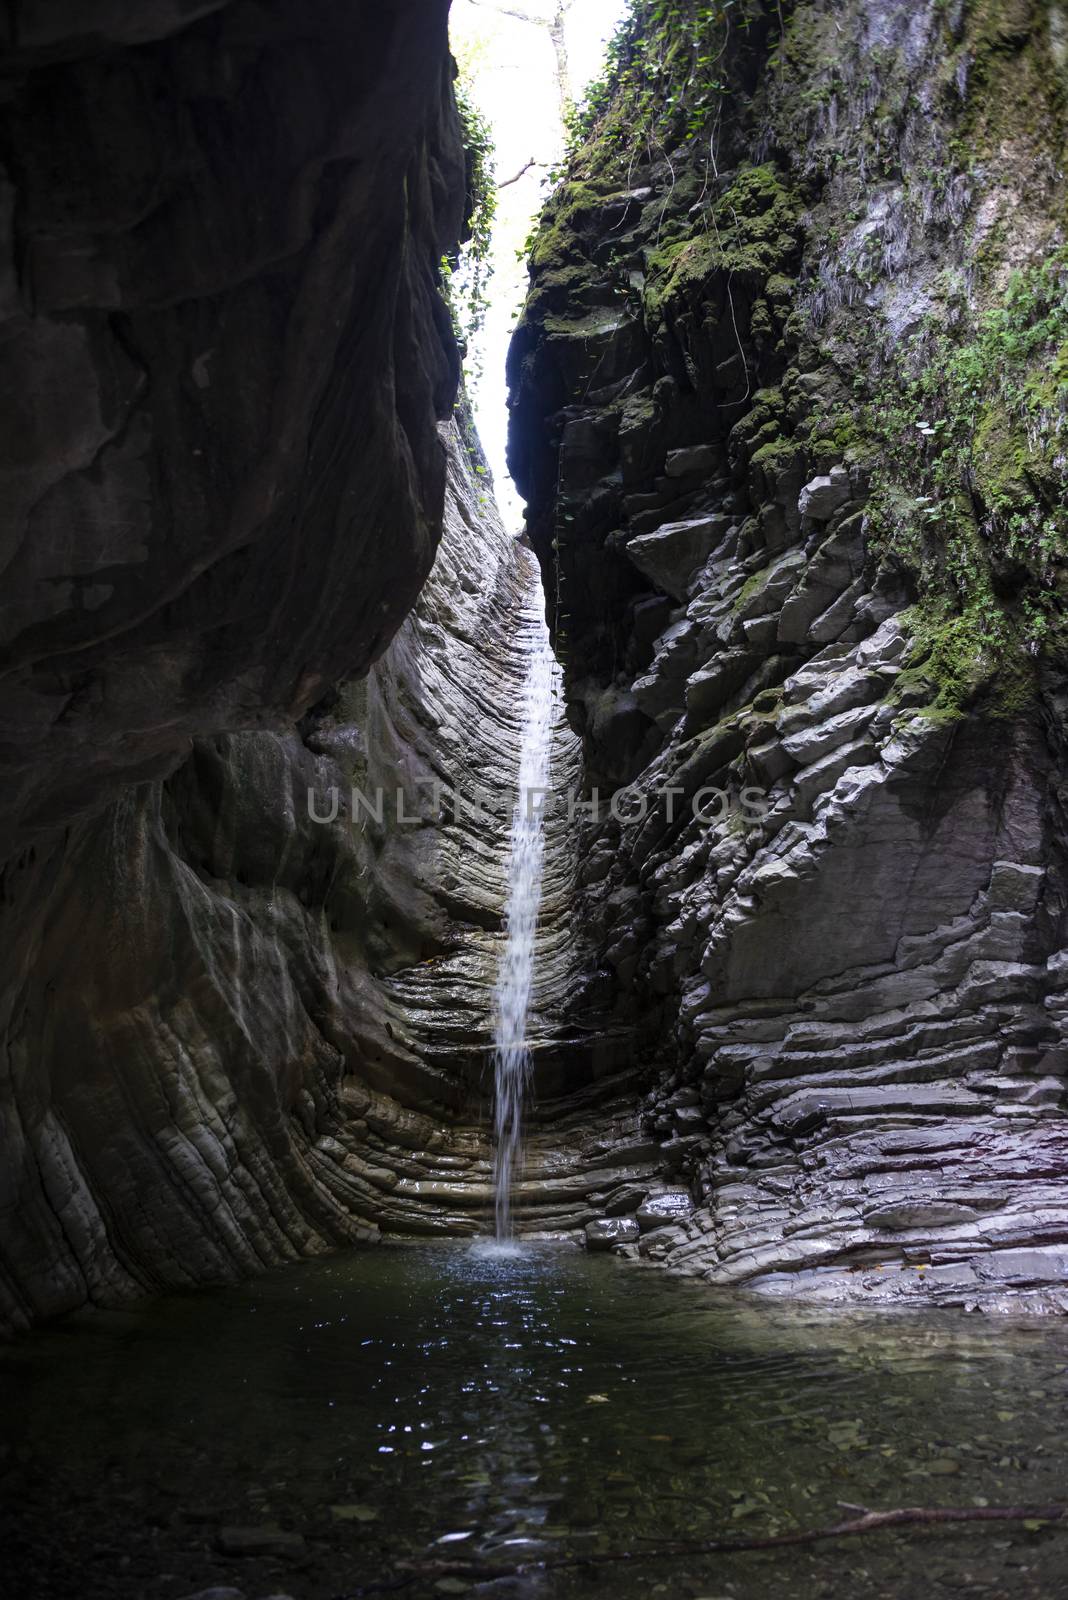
point(662, 73)
point(467, 275)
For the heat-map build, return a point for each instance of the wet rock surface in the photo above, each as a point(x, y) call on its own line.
point(227, 357)
point(607, 1232)
point(800, 999)
point(839, 882)
point(285, 1025)
point(236, 1034)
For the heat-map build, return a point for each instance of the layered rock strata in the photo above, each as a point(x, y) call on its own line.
point(224, 488)
point(225, 356)
point(247, 1006)
point(787, 418)
point(243, 1034)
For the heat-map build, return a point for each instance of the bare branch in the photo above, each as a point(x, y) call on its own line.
point(679, 1549)
point(524, 169)
point(510, 11)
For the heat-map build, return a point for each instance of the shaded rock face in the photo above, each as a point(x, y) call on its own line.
point(255, 1012)
point(224, 484)
point(239, 1034)
point(225, 357)
point(839, 881)
point(252, 908)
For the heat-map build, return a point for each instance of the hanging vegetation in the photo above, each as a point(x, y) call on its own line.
point(467, 275)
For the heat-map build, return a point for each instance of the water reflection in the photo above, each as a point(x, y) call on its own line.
point(482, 1404)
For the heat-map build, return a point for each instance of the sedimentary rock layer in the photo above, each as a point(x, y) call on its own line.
point(225, 357)
point(241, 1035)
point(247, 1006)
point(784, 416)
point(223, 486)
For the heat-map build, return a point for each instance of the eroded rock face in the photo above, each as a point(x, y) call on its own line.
point(241, 1034)
point(241, 1026)
point(225, 357)
point(857, 957)
point(223, 486)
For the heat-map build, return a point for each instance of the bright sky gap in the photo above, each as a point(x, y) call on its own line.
point(510, 66)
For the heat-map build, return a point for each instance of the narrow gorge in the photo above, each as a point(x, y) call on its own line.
point(417, 929)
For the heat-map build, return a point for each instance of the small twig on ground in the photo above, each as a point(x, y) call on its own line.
point(677, 1550)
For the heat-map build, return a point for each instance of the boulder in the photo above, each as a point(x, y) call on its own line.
point(609, 1231)
point(821, 497)
point(657, 1210)
point(672, 554)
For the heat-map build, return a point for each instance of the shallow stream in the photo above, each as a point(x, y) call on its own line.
point(433, 1401)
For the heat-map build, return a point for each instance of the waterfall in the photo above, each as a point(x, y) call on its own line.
point(512, 1060)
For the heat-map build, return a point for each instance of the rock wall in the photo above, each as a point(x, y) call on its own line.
point(218, 221)
point(241, 1033)
point(227, 355)
point(788, 410)
point(789, 415)
point(250, 925)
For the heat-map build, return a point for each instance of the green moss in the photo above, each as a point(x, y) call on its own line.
point(752, 229)
point(778, 456)
point(780, 289)
point(966, 661)
point(666, 79)
point(1002, 457)
point(1015, 90)
point(751, 587)
point(679, 272)
point(968, 439)
point(768, 408)
point(837, 437)
point(567, 219)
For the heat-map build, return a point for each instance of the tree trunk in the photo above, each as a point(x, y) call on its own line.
point(558, 35)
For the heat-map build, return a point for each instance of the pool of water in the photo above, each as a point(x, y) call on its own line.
point(438, 1402)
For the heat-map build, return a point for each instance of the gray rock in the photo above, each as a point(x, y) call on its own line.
point(675, 552)
point(695, 459)
point(1015, 887)
point(812, 744)
point(822, 497)
point(1041, 1265)
point(919, 1214)
point(760, 631)
point(863, 983)
point(1043, 1092)
point(656, 1210)
point(99, 431)
point(608, 1231)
